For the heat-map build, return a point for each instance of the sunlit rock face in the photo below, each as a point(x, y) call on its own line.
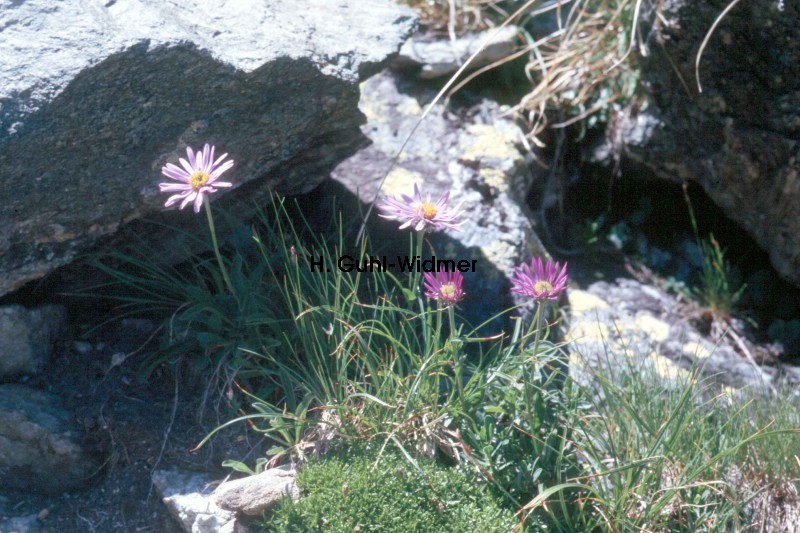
point(95, 98)
point(477, 156)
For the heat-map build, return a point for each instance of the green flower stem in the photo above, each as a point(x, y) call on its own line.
point(457, 357)
point(538, 320)
point(537, 323)
point(216, 250)
point(414, 279)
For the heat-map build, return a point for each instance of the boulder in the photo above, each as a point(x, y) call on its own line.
point(738, 138)
point(188, 497)
point(27, 337)
point(96, 97)
point(476, 156)
point(255, 495)
point(41, 448)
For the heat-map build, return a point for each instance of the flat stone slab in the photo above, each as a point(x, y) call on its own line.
point(257, 494)
point(187, 495)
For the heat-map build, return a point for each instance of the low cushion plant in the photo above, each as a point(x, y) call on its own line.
point(359, 491)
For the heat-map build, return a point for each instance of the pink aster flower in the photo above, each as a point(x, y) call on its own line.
point(197, 177)
point(444, 287)
point(540, 281)
point(422, 213)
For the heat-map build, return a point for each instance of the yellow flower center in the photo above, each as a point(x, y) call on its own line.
point(427, 210)
point(542, 286)
point(448, 291)
point(198, 179)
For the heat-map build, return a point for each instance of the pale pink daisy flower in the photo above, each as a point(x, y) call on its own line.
point(197, 178)
point(422, 213)
point(444, 287)
point(540, 281)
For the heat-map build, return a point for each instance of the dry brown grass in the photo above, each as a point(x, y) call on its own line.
point(585, 64)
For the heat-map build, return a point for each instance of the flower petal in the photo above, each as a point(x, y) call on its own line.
point(210, 163)
point(198, 202)
point(173, 199)
point(189, 198)
point(172, 171)
point(216, 173)
point(220, 158)
point(190, 156)
point(185, 164)
point(206, 156)
point(172, 187)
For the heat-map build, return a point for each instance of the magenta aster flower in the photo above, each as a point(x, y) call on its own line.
point(540, 281)
point(197, 177)
point(422, 213)
point(444, 287)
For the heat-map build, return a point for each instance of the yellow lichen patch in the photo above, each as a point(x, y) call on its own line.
point(493, 251)
point(656, 329)
point(373, 109)
point(588, 330)
point(401, 181)
point(620, 346)
point(695, 349)
point(489, 142)
point(667, 369)
point(580, 302)
point(495, 178)
point(410, 107)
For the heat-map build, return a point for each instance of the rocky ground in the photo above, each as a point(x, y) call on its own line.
point(139, 428)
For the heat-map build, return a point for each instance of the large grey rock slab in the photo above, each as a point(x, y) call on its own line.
point(41, 448)
point(27, 337)
point(258, 494)
point(738, 139)
point(188, 497)
point(477, 156)
point(95, 97)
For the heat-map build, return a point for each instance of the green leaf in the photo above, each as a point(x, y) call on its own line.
point(238, 466)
